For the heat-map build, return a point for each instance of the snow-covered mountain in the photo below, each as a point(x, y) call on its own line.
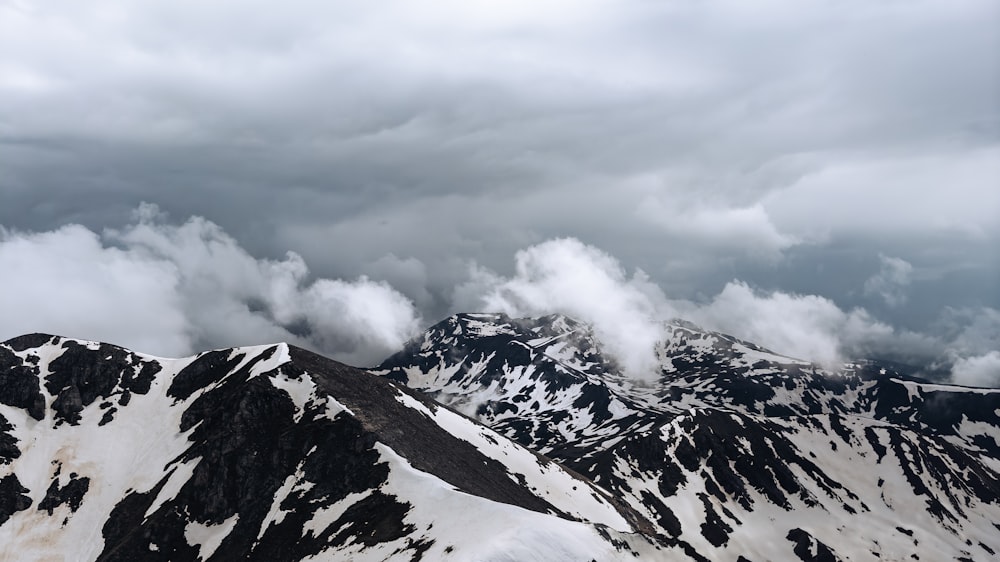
point(734, 452)
point(271, 453)
point(727, 452)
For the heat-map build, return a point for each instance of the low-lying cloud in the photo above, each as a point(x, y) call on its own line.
point(628, 313)
point(568, 277)
point(980, 370)
point(802, 326)
point(173, 290)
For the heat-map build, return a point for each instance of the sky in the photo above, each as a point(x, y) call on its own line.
point(821, 177)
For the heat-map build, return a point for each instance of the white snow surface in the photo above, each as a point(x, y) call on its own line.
point(132, 453)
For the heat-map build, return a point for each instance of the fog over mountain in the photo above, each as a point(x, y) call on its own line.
point(171, 289)
point(816, 177)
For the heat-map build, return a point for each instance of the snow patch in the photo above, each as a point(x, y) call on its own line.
point(208, 537)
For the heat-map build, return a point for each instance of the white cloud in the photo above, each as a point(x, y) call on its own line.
point(68, 282)
point(980, 370)
point(891, 281)
point(628, 312)
point(802, 326)
point(568, 277)
point(174, 290)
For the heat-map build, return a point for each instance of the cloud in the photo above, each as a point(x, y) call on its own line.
point(628, 313)
point(444, 132)
point(408, 275)
point(68, 282)
point(950, 192)
point(980, 370)
point(891, 281)
point(176, 289)
point(748, 229)
point(568, 277)
point(802, 326)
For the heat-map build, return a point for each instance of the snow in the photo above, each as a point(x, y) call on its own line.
point(301, 391)
point(209, 537)
point(275, 514)
point(749, 356)
point(327, 516)
point(175, 481)
point(545, 478)
point(128, 454)
point(334, 409)
point(279, 357)
point(122, 456)
point(859, 521)
point(480, 529)
point(930, 387)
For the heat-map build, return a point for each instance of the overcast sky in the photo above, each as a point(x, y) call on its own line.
point(820, 176)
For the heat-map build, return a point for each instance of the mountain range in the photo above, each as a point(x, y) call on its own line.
point(489, 438)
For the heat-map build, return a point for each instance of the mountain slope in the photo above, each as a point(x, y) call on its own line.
point(269, 453)
point(730, 448)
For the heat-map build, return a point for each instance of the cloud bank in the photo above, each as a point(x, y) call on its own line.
point(173, 290)
point(980, 370)
point(802, 326)
point(176, 288)
point(628, 313)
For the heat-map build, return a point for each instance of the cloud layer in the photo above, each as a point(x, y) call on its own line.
point(176, 289)
point(628, 313)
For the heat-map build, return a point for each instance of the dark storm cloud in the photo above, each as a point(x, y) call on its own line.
point(784, 144)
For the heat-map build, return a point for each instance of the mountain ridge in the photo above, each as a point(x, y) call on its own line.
point(267, 452)
point(490, 437)
point(729, 432)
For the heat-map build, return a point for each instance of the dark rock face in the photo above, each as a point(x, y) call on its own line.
point(70, 495)
point(19, 381)
point(8, 443)
point(12, 498)
point(82, 375)
point(455, 461)
point(727, 431)
point(809, 549)
point(248, 445)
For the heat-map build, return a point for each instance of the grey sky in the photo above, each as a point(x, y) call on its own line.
point(807, 147)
